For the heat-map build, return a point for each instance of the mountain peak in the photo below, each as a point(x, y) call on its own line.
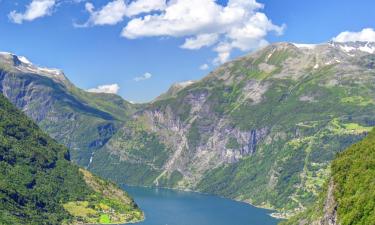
point(22, 64)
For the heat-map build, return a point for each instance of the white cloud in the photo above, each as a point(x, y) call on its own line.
point(36, 9)
point(115, 11)
point(145, 76)
point(223, 53)
point(204, 67)
point(202, 40)
point(238, 25)
point(109, 89)
point(145, 6)
point(110, 14)
point(365, 35)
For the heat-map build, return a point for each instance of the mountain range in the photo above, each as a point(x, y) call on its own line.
point(262, 129)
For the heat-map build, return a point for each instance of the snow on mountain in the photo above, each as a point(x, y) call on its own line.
point(25, 65)
point(307, 46)
point(353, 47)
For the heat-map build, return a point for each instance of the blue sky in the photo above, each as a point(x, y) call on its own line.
point(107, 50)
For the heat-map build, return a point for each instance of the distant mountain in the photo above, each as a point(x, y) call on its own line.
point(39, 185)
point(81, 120)
point(349, 196)
point(261, 129)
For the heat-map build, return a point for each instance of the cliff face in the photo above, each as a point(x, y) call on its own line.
point(330, 207)
point(262, 129)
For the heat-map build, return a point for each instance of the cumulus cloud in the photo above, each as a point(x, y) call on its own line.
point(238, 25)
point(223, 50)
point(143, 77)
point(365, 35)
point(204, 67)
point(115, 11)
point(109, 89)
point(36, 9)
point(202, 40)
point(110, 14)
point(144, 6)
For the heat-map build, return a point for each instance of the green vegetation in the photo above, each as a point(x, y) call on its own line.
point(171, 180)
point(357, 100)
point(194, 136)
point(38, 184)
point(353, 173)
point(143, 150)
point(232, 143)
point(353, 179)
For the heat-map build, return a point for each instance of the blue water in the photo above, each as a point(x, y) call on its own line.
point(170, 207)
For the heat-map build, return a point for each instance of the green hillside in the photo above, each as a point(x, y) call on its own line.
point(352, 182)
point(39, 185)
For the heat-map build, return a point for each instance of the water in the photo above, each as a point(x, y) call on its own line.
point(170, 207)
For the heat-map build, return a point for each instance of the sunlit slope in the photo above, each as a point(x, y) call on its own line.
point(39, 185)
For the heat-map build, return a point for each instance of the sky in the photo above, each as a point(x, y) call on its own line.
point(139, 48)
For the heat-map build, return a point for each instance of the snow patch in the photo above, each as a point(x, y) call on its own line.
point(23, 59)
point(347, 48)
point(50, 71)
point(270, 55)
point(5, 53)
point(351, 47)
point(367, 48)
point(306, 46)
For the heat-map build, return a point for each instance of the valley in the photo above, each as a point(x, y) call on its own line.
point(261, 129)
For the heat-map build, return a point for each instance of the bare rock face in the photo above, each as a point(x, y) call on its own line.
point(330, 207)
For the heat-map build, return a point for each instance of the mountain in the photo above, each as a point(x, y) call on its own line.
point(39, 185)
point(262, 128)
point(349, 196)
point(80, 120)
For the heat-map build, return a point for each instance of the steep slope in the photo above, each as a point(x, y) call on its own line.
point(82, 121)
point(261, 129)
point(39, 185)
point(350, 196)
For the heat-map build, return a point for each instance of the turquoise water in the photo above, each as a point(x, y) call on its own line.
point(170, 207)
